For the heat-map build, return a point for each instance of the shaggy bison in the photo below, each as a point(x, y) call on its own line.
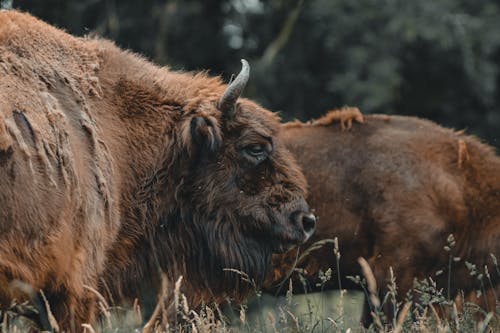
point(111, 166)
point(393, 190)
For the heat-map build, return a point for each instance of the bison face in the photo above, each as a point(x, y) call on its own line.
point(240, 198)
point(249, 180)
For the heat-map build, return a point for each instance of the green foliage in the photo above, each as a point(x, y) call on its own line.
point(434, 59)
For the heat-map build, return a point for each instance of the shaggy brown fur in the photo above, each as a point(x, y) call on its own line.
point(110, 166)
point(392, 190)
point(344, 116)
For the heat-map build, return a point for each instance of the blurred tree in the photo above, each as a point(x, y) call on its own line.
point(434, 59)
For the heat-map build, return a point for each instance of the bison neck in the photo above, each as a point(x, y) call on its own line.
point(159, 229)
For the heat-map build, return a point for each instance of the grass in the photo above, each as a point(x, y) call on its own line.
point(333, 311)
point(328, 311)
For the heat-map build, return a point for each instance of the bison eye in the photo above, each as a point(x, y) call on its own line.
point(256, 151)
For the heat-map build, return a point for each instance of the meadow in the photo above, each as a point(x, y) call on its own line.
point(322, 312)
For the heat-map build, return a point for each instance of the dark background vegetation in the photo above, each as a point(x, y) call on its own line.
point(438, 59)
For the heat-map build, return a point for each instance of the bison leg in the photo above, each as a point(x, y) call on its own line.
point(386, 312)
point(71, 311)
point(42, 319)
point(385, 273)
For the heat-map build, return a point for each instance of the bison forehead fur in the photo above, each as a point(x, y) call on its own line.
point(110, 166)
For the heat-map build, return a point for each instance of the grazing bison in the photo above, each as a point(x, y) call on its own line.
point(392, 190)
point(111, 166)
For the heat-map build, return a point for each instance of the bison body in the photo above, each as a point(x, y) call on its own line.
point(111, 167)
point(393, 190)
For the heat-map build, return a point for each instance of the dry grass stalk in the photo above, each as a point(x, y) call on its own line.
point(483, 325)
point(436, 315)
point(177, 296)
point(52, 320)
point(295, 320)
point(377, 321)
point(159, 306)
point(103, 305)
point(4, 323)
point(88, 327)
point(401, 317)
point(314, 246)
point(370, 281)
point(455, 316)
point(243, 315)
point(98, 294)
point(136, 309)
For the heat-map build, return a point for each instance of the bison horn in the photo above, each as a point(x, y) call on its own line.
point(234, 90)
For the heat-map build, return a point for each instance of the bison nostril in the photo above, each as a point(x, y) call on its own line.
point(308, 222)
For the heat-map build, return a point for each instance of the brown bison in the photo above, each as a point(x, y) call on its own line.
point(111, 166)
point(393, 190)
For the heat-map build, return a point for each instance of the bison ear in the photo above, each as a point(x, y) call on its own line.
point(205, 134)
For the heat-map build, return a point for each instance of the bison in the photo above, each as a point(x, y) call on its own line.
point(393, 190)
point(111, 166)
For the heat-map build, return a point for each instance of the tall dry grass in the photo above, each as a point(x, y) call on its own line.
point(312, 313)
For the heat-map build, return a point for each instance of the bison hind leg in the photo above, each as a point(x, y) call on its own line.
point(69, 311)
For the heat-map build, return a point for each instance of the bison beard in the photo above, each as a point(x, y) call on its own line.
point(392, 190)
point(111, 166)
point(213, 255)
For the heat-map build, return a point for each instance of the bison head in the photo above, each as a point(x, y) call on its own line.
point(234, 195)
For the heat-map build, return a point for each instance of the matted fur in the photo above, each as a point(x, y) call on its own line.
point(392, 190)
point(344, 116)
point(111, 166)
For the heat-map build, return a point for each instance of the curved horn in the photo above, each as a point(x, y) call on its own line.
point(234, 90)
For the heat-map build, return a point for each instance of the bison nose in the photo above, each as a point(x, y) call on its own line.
point(308, 224)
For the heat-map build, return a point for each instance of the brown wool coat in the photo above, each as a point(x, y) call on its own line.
point(392, 190)
point(111, 166)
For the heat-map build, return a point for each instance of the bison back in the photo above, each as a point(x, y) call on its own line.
point(392, 190)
